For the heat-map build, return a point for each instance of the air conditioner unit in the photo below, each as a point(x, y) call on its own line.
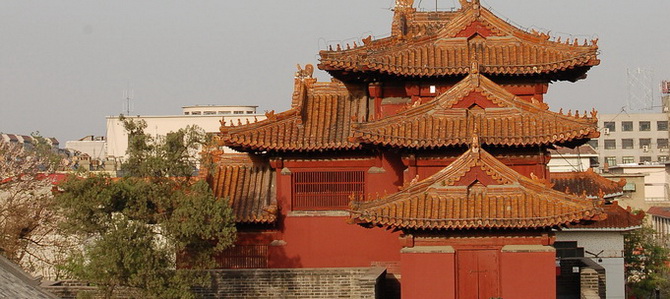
point(645, 148)
point(606, 131)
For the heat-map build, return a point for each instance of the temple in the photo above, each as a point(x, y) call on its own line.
point(426, 154)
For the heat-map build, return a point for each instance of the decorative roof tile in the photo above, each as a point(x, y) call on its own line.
point(477, 105)
point(249, 184)
point(618, 219)
point(587, 182)
point(659, 211)
point(476, 191)
point(429, 44)
point(320, 119)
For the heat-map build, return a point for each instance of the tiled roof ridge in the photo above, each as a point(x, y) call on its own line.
point(589, 174)
point(581, 207)
point(442, 106)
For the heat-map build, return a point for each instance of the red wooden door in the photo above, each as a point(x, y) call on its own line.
point(478, 274)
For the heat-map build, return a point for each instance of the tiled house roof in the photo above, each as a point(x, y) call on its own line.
point(501, 119)
point(588, 182)
point(249, 184)
point(320, 119)
point(659, 211)
point(429, 44)
point(16, 283)
point(476, 191)
point(618, 219)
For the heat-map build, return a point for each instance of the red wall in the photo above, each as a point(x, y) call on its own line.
point(528, 275)
point(428, 275)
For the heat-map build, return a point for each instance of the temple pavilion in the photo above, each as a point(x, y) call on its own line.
point(426, 153)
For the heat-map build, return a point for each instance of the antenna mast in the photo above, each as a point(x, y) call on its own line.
point(128, 95)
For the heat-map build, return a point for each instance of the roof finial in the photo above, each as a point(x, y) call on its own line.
point(404, 3)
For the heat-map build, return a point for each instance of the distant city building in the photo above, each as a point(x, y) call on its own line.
point(207, 117)
point(93, 146)
point(27, 140)
point(565, 159)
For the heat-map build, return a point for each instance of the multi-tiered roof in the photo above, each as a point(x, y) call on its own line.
point(470, 46)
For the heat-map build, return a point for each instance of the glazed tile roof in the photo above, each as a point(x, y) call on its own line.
point(320, 119)
point(587, 182)
point(618, 219)
point(659, 211)
point(503, 120)
point(476, 191)
point(429, 44)
point(249, 184)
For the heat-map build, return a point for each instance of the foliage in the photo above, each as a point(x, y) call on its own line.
point(27, 221)
point(132, 227)
point(646, 258)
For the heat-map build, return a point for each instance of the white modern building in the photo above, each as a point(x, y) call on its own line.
point(565, 159)
point(93, 146)
point(207, 117)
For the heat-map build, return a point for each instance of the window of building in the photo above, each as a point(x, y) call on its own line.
point(645, 158)
point(224, 112)
point(326, 190)
point(209, 112)
point(250, 112)
point(611, 161)
point(645, 143)
point(663, 159)
point(626, 126)
point(626, 143)
point(238, 112)
point(593, 143)
point(645, 126)
point(186, 113)
point(195, 113)
point(610, 144)
point(662, 143)
point(662, 125)
point(610, 125)
point(627, 159)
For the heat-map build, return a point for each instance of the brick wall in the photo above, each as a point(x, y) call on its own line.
point(295, 283)
point(363, 283)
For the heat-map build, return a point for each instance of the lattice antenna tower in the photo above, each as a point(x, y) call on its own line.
point(640, 89)
point(128, 96)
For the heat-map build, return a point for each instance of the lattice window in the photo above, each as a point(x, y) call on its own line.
point(326, 190)
point(244, 257)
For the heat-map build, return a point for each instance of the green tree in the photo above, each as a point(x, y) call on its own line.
point(133, 227)
point(646, 258)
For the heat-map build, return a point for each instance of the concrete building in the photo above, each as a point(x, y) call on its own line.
point(93, 146)
point(565, 159)
point(627, 138)
point(656, 180)
point(207, 117)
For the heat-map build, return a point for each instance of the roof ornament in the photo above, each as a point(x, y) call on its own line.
point(404, 3)
point(474, 73)
point(304, 73)
point(471, 3)
point(475, 144)
point(223, 128)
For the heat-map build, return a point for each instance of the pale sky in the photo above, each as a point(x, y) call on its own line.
point(64, 64)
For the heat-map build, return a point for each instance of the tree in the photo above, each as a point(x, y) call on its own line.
point(134, 226)
point(27, 220)
point(646, 259)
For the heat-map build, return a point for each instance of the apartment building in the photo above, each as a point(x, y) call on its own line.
point(632, 138)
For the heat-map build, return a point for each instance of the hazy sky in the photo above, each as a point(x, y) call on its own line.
point(64, 64)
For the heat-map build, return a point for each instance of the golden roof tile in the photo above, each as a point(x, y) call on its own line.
point(498, 118)
point(429, 44)
point(248, 183)
point(320, 119)
point(476, 191)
